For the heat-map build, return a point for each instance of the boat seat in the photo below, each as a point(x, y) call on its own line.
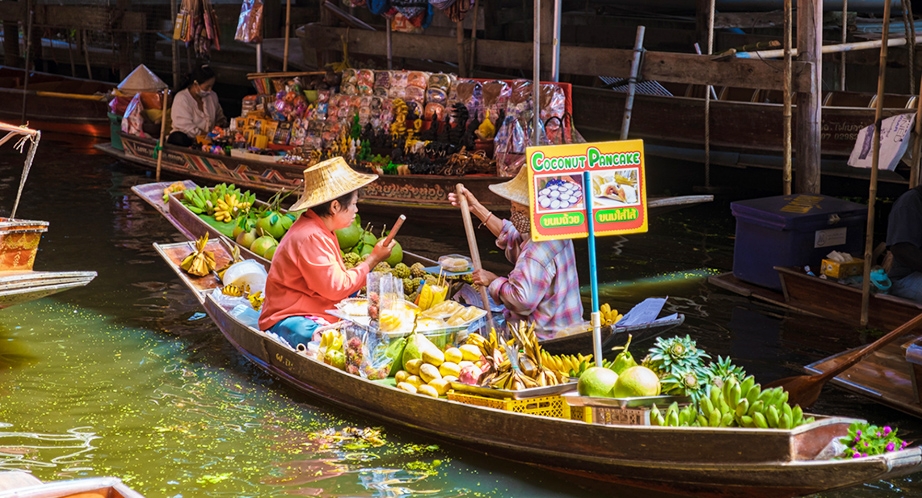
point(894, 101)
point(735, 94)
point(848, 99)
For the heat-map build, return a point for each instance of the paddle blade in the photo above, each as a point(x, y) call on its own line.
point(802, 390)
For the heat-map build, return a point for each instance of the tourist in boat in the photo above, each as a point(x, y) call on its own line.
point(544, 286)
point(195, 109)
point(904, 239)
point(308, 276)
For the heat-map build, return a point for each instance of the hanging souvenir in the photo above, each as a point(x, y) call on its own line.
point(250, 23)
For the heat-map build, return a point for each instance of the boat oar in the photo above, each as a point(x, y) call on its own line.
point(804, 390)
point(472, 244)
point(163, 108)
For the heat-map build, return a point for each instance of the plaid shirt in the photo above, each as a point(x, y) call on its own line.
point(544, 285)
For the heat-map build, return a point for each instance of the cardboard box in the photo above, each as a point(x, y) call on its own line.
point(834, 269)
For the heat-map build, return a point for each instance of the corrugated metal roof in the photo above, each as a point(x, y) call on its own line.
point(641, 87)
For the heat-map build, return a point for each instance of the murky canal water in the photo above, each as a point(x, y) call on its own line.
point(126, 377)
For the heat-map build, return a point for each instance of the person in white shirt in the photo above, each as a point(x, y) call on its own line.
point(195, 109)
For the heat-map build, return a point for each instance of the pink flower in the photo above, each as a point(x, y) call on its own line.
point(858, 433)
point(887, 430)
point(891, 446)
point(856, 455)
point(864, 454)
point(865, 444)
point(903, 445)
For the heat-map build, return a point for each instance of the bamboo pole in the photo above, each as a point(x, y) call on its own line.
point(844, 39)
point(632, 83)
point(474, 39)
point(872, 190)
point(472, 245)
point(459, 41)
point(390, 50)
point(787, 172)
point(707, 102)
point(555, 43)
point(287, 35)
point(536, 76)
point(828, 49)
point(163, 95)
point(916, 143)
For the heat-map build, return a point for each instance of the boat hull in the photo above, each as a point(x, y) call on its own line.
point(17, 287)
point(55, 103)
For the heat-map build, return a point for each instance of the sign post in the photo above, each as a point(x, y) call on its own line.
point(587, 190)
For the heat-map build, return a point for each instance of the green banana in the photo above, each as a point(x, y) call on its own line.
point(707, 406)
point(797, 416)
point(727, 420)
point(759, 420)
point(735, 394)
point(742, 408)
point(746, 385)
point(714, 419)
point(755, 408)
point(754, 392)
point(771, 416)
point(746, 421)
point(702, 421)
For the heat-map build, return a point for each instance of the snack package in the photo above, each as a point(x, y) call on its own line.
point(382, 83)
point(250, 23)
point(365, 82)
point(133, 121)
point(495, 95)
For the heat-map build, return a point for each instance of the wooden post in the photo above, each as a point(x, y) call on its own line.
point(632, 82)
point(916, 144)
point(287, 34)
point(174, 48)
point(844, 40)
point(547, 31)
point(787, 171)
point(707, 101)
point(872, 190)
point(809, 104)
point(165, 94)
point(459, 41)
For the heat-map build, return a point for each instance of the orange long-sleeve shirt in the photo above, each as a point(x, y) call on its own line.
point(308, 275)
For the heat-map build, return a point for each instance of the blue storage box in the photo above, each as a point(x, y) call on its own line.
point(793, 230)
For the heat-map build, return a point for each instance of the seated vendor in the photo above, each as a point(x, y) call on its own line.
point(308, 276)
point(195, 110)
point(544, 286)
point(904, 239)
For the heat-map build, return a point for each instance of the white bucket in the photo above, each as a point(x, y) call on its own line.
point(247, 272)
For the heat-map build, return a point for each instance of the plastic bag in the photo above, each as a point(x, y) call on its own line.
point(133, 121)
point(250, 23)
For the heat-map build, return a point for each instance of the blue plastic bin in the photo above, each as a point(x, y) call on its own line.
point(793, 230)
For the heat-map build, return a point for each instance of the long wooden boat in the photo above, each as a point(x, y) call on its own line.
point(192, 227)
point(828, 298)
point(17, 287)
point(55, 103)
point(703, 461)
point(264, 175)
point(746, 125)
point(17, 484)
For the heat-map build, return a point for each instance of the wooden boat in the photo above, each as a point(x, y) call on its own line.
point(17, 484)
point(55, 103)
point(192, 227)
point(704, 461)
point(262, 174)
point(17, 287)
point(828, 298)
point(746, 125)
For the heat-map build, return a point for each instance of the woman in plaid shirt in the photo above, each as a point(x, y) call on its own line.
point(544, 286)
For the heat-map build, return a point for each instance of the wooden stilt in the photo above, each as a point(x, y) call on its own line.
point(787, 172)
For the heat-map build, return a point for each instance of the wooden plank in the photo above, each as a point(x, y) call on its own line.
point(12, 11)
point(95, 18)
point(589, 61)
point(749, 20)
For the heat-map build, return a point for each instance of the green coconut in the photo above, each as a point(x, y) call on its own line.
point(349, 236)
point(416, 344)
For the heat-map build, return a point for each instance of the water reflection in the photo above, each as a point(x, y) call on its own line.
point(67, 453)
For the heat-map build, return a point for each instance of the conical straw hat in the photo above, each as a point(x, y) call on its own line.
point(515, 190)
point(328, 180)
point(141, 79)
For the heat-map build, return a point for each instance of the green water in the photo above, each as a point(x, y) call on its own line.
point(126, 377)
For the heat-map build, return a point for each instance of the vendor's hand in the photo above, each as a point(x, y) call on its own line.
point(483, 277)
point(380, 252)
point(471, 200)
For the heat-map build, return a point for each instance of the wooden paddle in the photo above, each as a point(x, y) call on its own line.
point(804, 390)
point(164, 95)
point(472, 244)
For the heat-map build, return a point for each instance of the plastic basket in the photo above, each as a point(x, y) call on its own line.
point(606, 415)
point(545, 406)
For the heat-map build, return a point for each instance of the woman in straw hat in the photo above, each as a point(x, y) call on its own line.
point(308, 275)
point(544, 286)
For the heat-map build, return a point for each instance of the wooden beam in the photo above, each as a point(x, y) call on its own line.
point(12, 11)
point(749, 20)
point(809, 105)
point(92, 18)
point(587, 61)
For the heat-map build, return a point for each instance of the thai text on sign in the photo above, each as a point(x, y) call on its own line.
point(617, 192)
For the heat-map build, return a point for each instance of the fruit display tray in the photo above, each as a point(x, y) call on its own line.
point(489, 392)
point(661, 401)
point(545, 406)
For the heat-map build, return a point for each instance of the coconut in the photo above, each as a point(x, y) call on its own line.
point(416, 344)
point(349, 236)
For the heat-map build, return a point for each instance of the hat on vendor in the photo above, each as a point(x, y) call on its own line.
point(515, 190)
point(328, 180)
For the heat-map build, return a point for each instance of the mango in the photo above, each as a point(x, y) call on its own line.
point(441, 386)
point(427, 390)
point(453, 355)
point(415, 380)
point(449, 368)
point(406, 386)
point(412, 366)
point(470, 352)
point(401, 376)
point(428, 372)
point(433, 356)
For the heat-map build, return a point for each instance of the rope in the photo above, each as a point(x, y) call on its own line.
point(911, 42)
point(27, 166)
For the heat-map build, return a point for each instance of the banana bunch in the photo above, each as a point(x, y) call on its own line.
point(730, 407)
point(431, 295)
point(568, 365)
point(621, 179)
point(196, 199)
point(235, 291)
point(399, 126)
point(199, 262)
point(609, 316)
point(230, 207)
point(174, 187)
point(521, 367)
point(256, 300)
